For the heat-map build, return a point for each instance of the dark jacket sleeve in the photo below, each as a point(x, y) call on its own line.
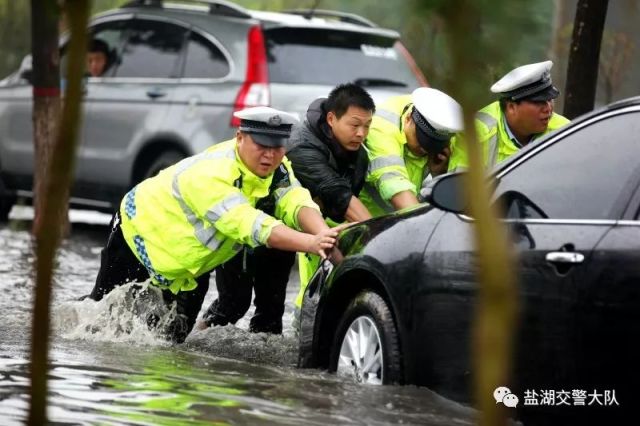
point(311, 167)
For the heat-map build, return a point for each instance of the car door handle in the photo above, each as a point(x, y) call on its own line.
point(564, 257)
point(156, 93)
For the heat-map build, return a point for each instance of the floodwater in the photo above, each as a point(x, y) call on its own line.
point(108, 369)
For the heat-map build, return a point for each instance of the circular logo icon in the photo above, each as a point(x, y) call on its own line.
point(275, 121)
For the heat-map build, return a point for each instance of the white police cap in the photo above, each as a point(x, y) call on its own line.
point(267, 126)
point(437, 116)
point(527, 82)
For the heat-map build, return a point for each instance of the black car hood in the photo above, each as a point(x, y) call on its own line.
point(354, 239)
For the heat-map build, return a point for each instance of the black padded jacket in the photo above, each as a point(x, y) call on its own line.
point(332, 174)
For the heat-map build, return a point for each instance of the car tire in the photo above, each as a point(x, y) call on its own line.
point(366, 346)
point(162, 161)
point(7, 201)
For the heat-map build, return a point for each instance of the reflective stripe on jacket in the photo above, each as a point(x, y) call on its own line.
point(197, 214)
point(493, 137)
point(392, 167)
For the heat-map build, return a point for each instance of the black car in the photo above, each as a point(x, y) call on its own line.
point(398, 308)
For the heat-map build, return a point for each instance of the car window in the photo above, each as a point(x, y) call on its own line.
point(581, 176)
point(203, 59)
point(152, 50)
point(303, 55)
point(517, 206)
point(112, 33)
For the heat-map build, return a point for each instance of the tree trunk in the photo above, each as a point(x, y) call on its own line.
point(497, 298)
point(45, 16)
point(582, 72)
point(46, 112)
point(557, 50)
point(57, 153)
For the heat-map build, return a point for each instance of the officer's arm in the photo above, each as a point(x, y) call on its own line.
point(403, 199)
point(217, 204)
point(284, 238)
point(311, 221)
point(356, 211)
point(387, 170)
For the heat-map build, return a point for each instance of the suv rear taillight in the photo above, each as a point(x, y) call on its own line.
point(255, 90)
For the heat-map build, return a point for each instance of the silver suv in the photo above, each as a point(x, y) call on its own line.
point(177, 72)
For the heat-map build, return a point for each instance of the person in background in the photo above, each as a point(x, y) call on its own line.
point(408, 142)
point(523, 113)
point(97, 57)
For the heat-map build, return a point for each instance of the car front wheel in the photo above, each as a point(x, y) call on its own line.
point(366, 346)
point(161, 162)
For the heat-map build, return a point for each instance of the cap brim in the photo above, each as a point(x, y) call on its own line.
point(267, 140)
point(430, 145)
point(547, 94)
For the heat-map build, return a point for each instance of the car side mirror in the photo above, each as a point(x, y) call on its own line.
point(446, 193)
point(27, 75)
point(25, 71)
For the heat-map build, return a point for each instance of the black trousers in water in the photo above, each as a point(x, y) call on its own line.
point(263, 270)
point(118, 266)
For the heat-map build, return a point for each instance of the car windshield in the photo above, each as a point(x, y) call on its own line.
point(313, 56)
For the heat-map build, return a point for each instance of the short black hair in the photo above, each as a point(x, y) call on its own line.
point(346, 95)
point(503, 103)
point(97, 45)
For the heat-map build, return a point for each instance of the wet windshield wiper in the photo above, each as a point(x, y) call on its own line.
point(374, 82)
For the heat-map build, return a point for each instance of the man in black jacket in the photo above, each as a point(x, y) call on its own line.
point(329, 159)
point(327, 152)
point(328, 156)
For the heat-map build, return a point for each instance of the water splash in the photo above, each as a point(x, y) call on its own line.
point(236, 343)
point(123, 315)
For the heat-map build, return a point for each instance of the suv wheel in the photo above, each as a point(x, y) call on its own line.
point(366, 346)
point(7, 201)
point(162, 161)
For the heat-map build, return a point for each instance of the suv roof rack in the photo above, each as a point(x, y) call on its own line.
point(216, 7)
point(350, 18)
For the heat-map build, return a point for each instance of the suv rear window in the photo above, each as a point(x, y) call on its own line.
point(204, 60)
point(318, 56)
point(152, 50)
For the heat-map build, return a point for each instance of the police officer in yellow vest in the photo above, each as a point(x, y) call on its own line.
point(176, 227)
point(408, 140)
point(523, 113)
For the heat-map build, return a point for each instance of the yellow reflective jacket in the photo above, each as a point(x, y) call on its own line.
point(197, 214)
point(493, 137)
point(392, 167)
